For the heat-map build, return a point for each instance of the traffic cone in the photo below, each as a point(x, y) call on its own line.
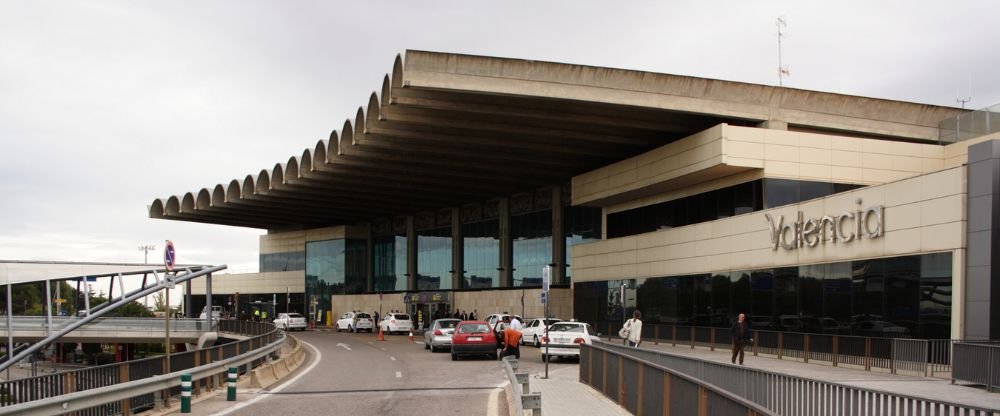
point(381, 336)
point(411, 335)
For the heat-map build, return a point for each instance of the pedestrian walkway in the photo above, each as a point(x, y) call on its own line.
point(922, 387)
point(564, 394)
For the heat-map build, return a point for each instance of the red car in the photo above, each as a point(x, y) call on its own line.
point(473, 338)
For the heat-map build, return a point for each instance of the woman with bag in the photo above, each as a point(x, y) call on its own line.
point(631, 332)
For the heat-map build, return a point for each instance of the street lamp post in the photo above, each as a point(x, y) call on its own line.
point(145, 249)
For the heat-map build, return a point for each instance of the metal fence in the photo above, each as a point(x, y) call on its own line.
point(647, 388)
point(776, 393)
point(970, 125)
point(978, 363)
point(924, 357)
point(51, 385)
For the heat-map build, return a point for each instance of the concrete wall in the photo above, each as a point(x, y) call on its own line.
point(484, 302)
point(253, 283)
point(292, 241)
point(982, 305)
point(922, 214)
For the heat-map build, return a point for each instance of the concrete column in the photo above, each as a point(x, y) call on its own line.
point(370, 261)
point(411, 254)
point(773, 125)
point(506, 246)
point(457, 250)
point(982, 276)
point(208, 299)
point(187, 300)
point(558, 238)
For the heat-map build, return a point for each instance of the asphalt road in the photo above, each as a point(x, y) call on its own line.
point(357, 375)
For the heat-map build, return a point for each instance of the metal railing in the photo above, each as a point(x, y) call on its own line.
point(970, 125)
point(925, 357)
point(14, 394)
point(978, 363)
point(783, 394)
point(645, 387)
point(523, 398)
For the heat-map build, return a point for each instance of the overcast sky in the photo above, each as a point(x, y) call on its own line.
point(107, 105)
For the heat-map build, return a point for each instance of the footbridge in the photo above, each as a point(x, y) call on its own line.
point(107, 330)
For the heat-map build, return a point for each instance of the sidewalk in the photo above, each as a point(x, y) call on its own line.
point(564, 394)
point(915, 386)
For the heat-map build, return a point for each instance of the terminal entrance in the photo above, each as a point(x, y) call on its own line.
point(425, 307)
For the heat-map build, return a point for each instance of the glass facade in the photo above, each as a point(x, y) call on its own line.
point(720, 203)
point(282, 262)
point(334, 267)
point(434, 259)
point(390, 263)
point(908, 296)
point(532, 246)
point(481, 248)
point(581, 225)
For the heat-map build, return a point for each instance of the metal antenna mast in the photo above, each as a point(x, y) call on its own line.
point(782, 70)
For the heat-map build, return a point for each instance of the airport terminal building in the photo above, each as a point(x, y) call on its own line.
point(690, 199)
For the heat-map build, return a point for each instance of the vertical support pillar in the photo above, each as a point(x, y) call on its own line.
point(48, 308)
point(506, 246)
point(369, 262)
point(208, 299)
point(457, 252)
point(411, 253)
point(10, 329)
point(123, 377)
point(981, 303)
point(558, 237)
point(187, 300)
point(185, 393)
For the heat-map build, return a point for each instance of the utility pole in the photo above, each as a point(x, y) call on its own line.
point(782, 70)
point(145, 249)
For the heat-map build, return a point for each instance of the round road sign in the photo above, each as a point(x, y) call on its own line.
point(169, 256)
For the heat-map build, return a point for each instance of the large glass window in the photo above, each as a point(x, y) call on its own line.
point(434, 259)
point(481, 248)
point(334, 267)
point(390, 263)
point(532, 241)
point(908, 296)
point(282, 262)
point(582, 225)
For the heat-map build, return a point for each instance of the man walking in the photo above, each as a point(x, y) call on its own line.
point(741, 334)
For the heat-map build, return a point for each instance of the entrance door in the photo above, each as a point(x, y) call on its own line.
point(425, 313)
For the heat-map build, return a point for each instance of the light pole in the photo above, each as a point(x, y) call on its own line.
point(145, 249)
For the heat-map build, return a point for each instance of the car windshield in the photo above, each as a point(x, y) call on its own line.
point(363, 316)
point(472, 328)
point(402, 316)
point(294, 315)
point(566, 328)
point(551, 321)
point(448, 323)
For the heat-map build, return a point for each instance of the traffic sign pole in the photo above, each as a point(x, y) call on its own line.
point(546, 277)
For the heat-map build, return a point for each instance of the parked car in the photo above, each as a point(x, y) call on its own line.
point(396, 322)
point(216, 313)
point(439, 334)
point(495, 318)
point(290, 322)
point(355, 321)
point(881, 329)
point(564, 339)
point(473, 338)
point(535, 329)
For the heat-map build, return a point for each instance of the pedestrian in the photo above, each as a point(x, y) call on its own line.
point(256, 315)
point(465, 316)
point(742, 334)
point(631, 332)
point(516, 324)
point(500, 332)
point(511, 343)
point(375, 314)
point(263, 316)
point(472, 316)
point(458, 314)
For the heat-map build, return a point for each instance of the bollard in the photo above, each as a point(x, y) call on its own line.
point(231, 385)
point(186, 393)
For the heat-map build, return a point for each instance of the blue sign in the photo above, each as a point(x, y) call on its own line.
point(545, 297)
point(169, 256)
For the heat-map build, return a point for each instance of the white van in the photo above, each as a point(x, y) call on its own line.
point(216, 313)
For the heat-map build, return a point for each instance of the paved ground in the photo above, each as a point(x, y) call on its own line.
point(353, 374)
point(924, 387)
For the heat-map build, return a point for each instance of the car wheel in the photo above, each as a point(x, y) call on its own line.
point(427, 346)
point(454, 357)
point(495, 356)
point(433, 349)
point(537, 344)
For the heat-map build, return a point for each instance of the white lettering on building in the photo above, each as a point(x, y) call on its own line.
point(845, 227)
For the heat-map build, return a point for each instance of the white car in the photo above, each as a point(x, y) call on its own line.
point(534, 330)
point(494, 318)
point(564, 339)
point(290, 322)
point(355, 321)
point(396, 322)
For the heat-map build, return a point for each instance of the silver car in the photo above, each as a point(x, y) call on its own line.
point(439, 334)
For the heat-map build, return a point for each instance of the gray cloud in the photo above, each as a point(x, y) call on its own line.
point(107, 105)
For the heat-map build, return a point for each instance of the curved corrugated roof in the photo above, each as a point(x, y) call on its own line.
point(446, 129)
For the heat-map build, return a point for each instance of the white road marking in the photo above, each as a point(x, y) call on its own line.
point(319, 357)
point(392, 358)
point(383, 349)
point(346, 347)
point(399, 374)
